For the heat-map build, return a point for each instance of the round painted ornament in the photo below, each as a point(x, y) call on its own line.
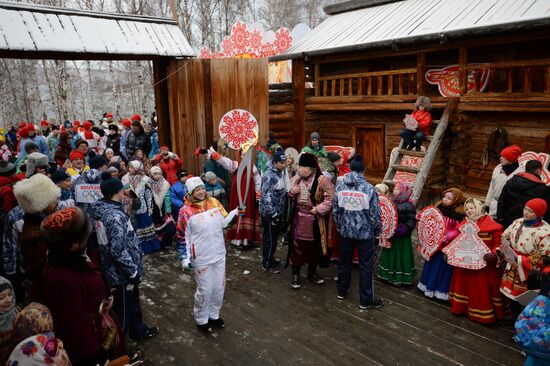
point(388, 213)
point(431, 230)
point(239, 128)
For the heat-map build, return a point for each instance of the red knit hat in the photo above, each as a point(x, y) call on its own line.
point(538, 205)
point(76, 155)
point(76, 123)
point(126, 122)
point(30, 127)
point(87, 125)
point(135, 117)
point(23, 132)
point(44, 123)
point(511, 153)
point(22, 124)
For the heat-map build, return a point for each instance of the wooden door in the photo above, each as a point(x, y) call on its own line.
point(369, 142)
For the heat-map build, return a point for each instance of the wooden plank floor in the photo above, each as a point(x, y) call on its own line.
point(268, 323)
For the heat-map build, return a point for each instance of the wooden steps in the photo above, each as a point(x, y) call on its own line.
point(422, 171)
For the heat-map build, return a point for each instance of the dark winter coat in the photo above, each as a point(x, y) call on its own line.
point(406, 218)
point(272, 192)
point(516, 192)
point(141, 140)
point(113, 142)
point(119, 248)
point(34, 254)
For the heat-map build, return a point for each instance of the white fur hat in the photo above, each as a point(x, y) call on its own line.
point(192, 183)
point(36, 193)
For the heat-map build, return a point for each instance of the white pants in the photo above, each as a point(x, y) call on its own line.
point(210, 280)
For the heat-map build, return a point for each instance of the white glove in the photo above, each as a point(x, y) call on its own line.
point(210, 152)
point(186, 264)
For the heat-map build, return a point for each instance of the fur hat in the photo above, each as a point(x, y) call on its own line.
point(64, 227)
point(193, 183)
point(425, 102)
point(538, 206)
point(36, 161)
point(308, 160)
point(357, 164)
point(511, 153)
point(36, 193)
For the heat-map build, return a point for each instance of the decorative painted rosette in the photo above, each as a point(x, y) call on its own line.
point(431, 230)
point(239, 128)
point(388, 213)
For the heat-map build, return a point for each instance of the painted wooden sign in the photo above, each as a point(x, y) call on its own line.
point(467, 249)
point(431, 230)
point(239, 128)
point(447, 80)
point(388, 213)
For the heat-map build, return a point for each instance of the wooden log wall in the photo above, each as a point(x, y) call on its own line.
point(202, 91)
point(529, 131)
point(281, 113)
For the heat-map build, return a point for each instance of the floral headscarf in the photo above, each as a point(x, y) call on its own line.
point(405, 190)
point(478, 206)
point(34, 319)
point(7, 317)
point(37, 350)
point(139, 179)
point(159, 187)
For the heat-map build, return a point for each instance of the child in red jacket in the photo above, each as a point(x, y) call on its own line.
point(421, 113)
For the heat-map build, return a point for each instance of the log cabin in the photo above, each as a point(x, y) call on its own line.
point(485, 65)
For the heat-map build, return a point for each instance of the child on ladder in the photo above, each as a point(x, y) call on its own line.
point(421, 113)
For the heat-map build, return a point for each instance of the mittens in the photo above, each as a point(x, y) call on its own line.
point(490, 257)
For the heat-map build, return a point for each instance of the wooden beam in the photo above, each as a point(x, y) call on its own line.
point(160, 74)
point(420, 71)
point(298, 79)
point(463, 70)
point(207, 89)
point(317, 81)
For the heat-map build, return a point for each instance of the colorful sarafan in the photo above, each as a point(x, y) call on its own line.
point(431, 230)
point(467, 249)
point(388, 213)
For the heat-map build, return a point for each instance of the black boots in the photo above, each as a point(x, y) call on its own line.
point(296, 283)
point(312, 275)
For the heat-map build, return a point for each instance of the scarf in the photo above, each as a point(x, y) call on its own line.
point(510, 168)
point(455, 210)
point(37, 350)
point(34, 319)
point(405, 194)
point(159, 187)
point(138, 180)
point(7, 317)
point(478, 207)
point(531, 223)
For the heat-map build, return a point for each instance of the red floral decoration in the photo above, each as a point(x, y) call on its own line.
point(227, 47)
point(240, 37)
point(255, 41)
point(283, 40)
point(205, 53)
point(238, 127)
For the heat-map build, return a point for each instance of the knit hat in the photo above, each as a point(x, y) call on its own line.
point(314, 135)
point(64, 227)
point(511, 153)
point(182, 173)
point(156, 169)
point(126, 122)
point(76, 123)
point(278, 157)
point(36, 161)
point(60, 176)
point(36, 193)
point(6, 169)
point(538, 206)
point(44, 123)
point(135, 117)
point(76, 155)
point(110, 185)
point(308, 160)
point(193, 183)
point(68, 124)
point(357, 164)
point(97, 162)
point(333, 157)
point(109, 117)
point(209, 176)
point(87, 125)
point(30, 127)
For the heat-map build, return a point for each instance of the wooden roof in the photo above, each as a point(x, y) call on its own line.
point(381, 24)
point(35, 29)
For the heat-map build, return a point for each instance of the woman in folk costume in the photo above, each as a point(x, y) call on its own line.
point(397, 262)
point(200, 229)
point(75, 292)
point(311, 193)
point(529, 237)
point(162, 209)
point(436, 274)
point(8, 314)
point(139, 186)
point(476, 292)
point(37, 350)
point(247, 229)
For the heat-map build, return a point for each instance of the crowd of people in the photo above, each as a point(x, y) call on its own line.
point(83, 203)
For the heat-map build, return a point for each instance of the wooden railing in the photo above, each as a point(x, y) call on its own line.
point(527, 77)
point(377, 83)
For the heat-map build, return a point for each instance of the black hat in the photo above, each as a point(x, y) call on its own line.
point(309, 160)
point(97, 162)
point(182, 173)
point(6, 169)
point(113, 127)
point(279, 156)
point(357, 164)
point(81, 141)
point(60, 175)
point(110, 185)
point(333, 157)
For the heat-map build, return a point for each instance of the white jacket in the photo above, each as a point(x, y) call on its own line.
point(498, 180)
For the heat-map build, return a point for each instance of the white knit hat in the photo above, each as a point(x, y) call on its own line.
point(36, 193)
point(193, 183)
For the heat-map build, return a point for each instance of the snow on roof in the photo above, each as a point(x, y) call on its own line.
point(414, 19)
point(34, 28)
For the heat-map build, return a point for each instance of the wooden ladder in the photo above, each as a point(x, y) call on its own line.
point(429, 155)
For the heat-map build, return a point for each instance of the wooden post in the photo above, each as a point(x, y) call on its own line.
point(160, 73)
point(207, 90)
point(317, 82)
point(527, 79)
point(420, 71)
point(463, 70)
point(547, 79)
point(298, 79)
